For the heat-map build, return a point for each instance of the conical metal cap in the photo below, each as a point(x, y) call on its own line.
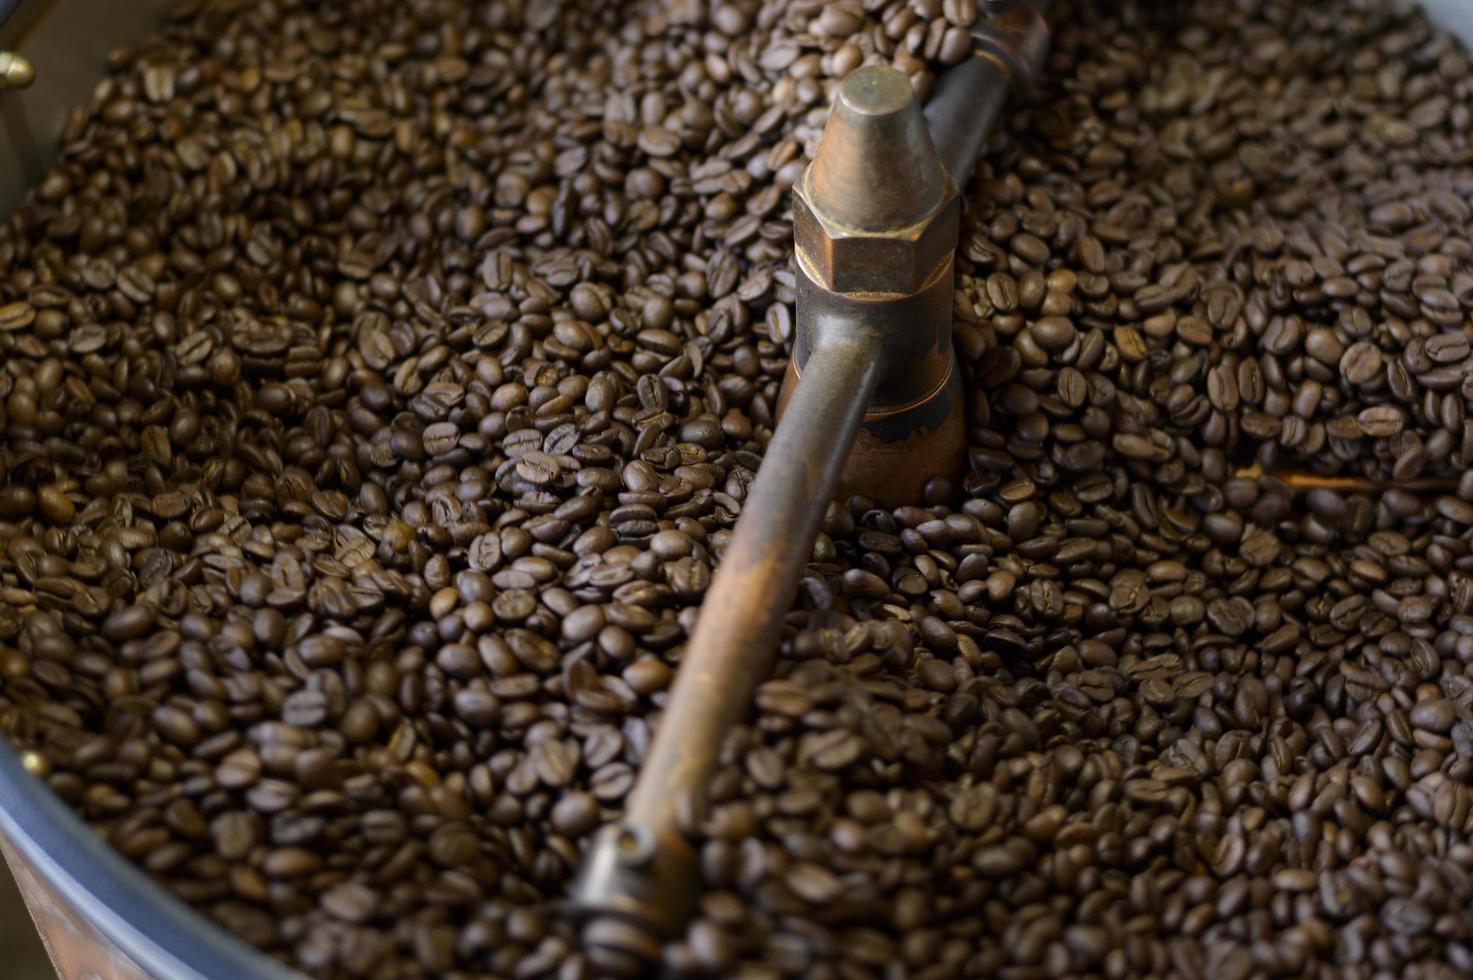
point(876, 167)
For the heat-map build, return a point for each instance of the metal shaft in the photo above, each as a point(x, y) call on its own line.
point(737, 635)
point(640, 875)
point(963, 110)
point(969, 98)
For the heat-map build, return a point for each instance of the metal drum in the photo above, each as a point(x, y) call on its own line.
point(101, 917)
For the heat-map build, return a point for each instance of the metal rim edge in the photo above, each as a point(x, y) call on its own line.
point(145, 921)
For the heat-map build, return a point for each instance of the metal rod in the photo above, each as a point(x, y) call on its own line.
point(1010, 46)
point(963, 111)
point(639, 878)
point(737, 634)
point(1300, 481)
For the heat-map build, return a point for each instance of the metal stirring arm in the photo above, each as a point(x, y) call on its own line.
point(1011, 45)
point(643, 867)
point(876, 228)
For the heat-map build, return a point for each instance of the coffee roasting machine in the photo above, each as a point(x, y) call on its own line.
point(872, 404)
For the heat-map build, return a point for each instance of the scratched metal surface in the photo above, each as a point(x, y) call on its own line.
point(20, 949)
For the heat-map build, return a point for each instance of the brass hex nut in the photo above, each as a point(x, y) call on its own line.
point(893, 260)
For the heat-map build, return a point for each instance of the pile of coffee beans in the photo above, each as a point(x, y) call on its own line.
point(380, 381)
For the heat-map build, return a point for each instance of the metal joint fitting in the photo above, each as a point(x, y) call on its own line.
point(900, 258)
point(875, 223)
point(634, 891)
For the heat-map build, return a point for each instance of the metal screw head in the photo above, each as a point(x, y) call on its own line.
point(15, 71)
point(636, 847)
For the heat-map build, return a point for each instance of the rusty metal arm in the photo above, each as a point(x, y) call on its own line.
point(738, 632)
point(1009, 52)
point(963, 111)
point(642, 871)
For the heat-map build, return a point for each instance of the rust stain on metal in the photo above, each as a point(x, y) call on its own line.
point(893, 473)
point(899, 450)
point(1301, 481)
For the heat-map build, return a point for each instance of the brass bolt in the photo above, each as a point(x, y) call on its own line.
point(15, 71)
point(876, 211)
